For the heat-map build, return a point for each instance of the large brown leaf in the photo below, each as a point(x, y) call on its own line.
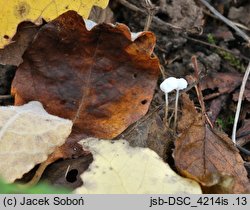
point(100, 79)
point(206, 155)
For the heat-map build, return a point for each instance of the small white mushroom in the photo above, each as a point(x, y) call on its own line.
point(182, 84)
point(167, 86)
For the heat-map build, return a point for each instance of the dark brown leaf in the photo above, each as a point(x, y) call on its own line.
point(99, 79)
point(67, 173)
point(207, 155)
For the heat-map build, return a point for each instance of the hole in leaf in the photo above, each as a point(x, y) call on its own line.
point(72, 175)
point(6, 37)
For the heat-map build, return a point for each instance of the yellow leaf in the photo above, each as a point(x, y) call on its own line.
point(28, 135)
point(15, 11)
point(120, 169)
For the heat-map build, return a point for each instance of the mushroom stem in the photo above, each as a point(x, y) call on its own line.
point(176, 108)
point(166, 107)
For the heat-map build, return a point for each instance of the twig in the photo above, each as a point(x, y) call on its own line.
point(5, 96)
point(158, 21)
point(237, 114)
point(163, 3)
point(67, 171)
point(227, 21)
point(162, 71)
point(151, 10)
point(217, 47)
point(237, 24)
point(198, 91)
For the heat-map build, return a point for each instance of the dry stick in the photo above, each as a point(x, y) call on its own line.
point(198, 90)
point(67, 171)
point(235, 23)
point(163, 3)
point(227, 21)
point(162, 69)
point(217, 47)
point(151, 11)
point(5, 96)
point(157, 20)
point(237, 114)
point(35, 179)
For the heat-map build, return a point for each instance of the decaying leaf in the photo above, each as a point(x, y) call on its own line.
point(206, 155)
point(246, 94)
point(99, 15)
point(12, 53)
point(243, 134)
point(100, 79)
point(118, 168)
point(221, 83)
point(66, 173)
point(151, 133)
point(185, 14)
point(240, 14)
point(13, 12)
point(28, 134)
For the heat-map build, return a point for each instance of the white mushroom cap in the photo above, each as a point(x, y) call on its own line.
point(169, 84)
point(182, 84)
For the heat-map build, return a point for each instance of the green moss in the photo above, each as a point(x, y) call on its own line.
point(224, 124)
point(210, 39)
point(229, 57)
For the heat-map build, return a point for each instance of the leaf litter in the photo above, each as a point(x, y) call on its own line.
point(221, 88)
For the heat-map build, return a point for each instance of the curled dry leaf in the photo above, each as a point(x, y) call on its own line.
point(100, 79)
point(208, 156)
point(120, 169)
point(28, 135)
point(15, 11)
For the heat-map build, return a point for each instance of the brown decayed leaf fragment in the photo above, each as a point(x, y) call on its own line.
point(100, 79)
point(67, 173)
point(243, 134)
point(246, 94)
point(206, 155)
point(12, 53)
point(151, 133)
point(221, 82)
